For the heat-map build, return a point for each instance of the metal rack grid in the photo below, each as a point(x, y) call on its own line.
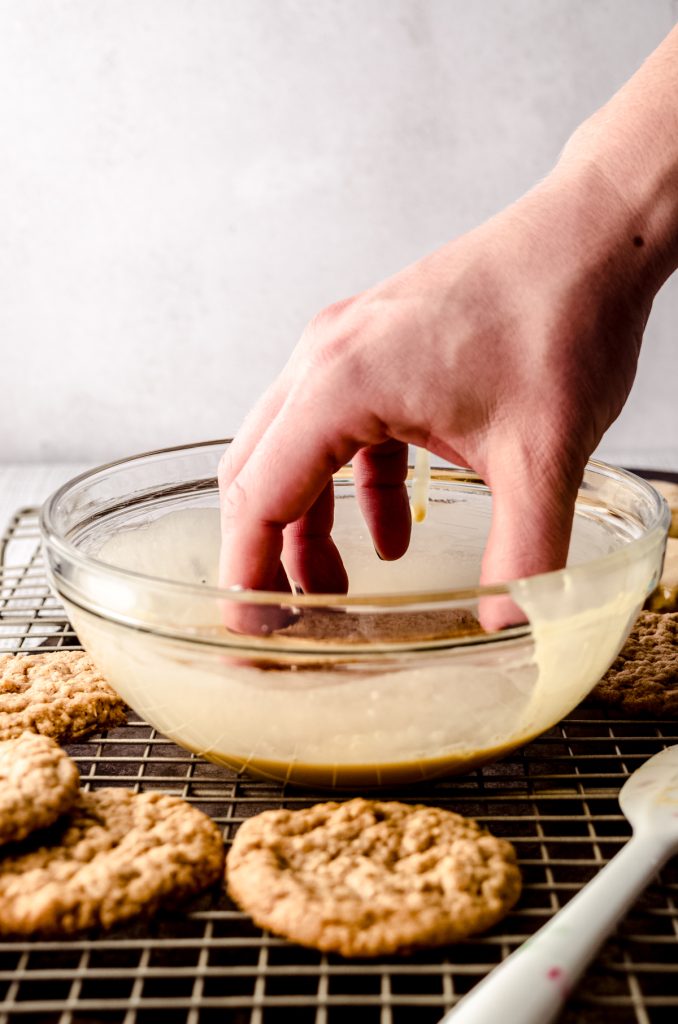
point(556, 800)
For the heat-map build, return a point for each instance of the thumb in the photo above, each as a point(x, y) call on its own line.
point(532, 515)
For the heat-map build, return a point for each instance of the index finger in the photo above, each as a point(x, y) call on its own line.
point(283, 477)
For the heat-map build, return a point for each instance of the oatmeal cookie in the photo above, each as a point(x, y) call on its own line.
point(367, 878)
point(643, 680)
point(62, 695)
point(114, 855)
point(342, 627)
point(38, 782)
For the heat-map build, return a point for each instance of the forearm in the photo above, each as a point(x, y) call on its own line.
point(629, 148)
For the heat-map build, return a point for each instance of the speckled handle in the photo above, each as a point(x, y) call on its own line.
point(531, 986)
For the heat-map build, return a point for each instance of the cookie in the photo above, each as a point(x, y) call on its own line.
point(116, 854)
point(664, 597)
point(669, 491)
point(643, 680)
point(342, 627)
point(366, 878)
point(38, 782)
point(62, 695)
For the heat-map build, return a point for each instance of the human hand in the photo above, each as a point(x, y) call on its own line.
point(509, 350)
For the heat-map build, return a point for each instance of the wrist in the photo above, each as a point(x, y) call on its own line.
point(630, 179)
point(594, 234)
point(632, 221)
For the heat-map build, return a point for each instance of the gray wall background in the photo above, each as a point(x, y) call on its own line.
point(183, 183)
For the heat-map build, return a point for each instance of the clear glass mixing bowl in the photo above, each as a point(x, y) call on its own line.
point(394, 682)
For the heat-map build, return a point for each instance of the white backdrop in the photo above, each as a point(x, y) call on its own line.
point(183, 183)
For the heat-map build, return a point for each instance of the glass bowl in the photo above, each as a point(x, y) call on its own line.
point(394, 682)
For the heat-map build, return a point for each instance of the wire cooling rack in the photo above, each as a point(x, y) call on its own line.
point(556, 800)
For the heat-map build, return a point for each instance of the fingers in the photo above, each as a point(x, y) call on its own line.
point(289, 469)
point(250, 619)
point(532, 516)
point(380, 472)
point(257, 420)
point(311, 556)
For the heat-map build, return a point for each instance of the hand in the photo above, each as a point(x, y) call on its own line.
point(510, 350)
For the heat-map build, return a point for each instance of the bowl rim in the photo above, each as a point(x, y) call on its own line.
point(51, 537)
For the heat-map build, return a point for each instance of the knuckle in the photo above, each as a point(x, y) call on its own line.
point(331, 317)
point(333, 350)
point(331, 337)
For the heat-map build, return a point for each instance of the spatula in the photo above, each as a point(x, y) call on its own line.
point(531, 985)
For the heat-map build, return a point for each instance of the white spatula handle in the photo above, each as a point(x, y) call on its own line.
point(531, 985)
